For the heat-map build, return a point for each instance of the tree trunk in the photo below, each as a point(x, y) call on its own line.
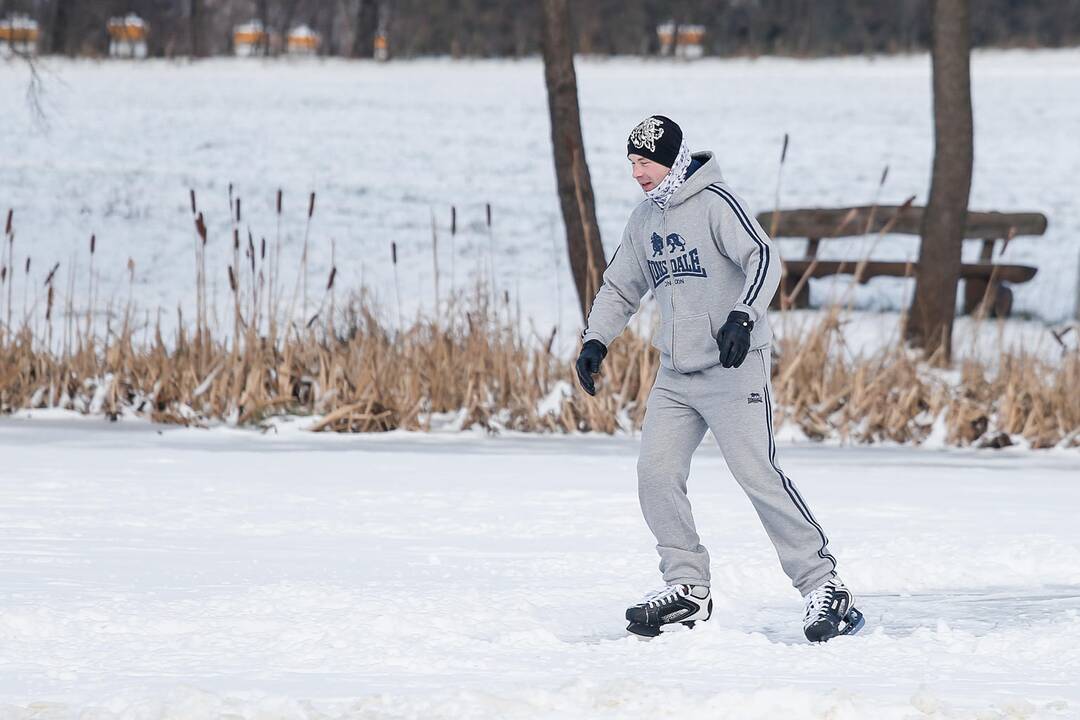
point(59, 21)
point(264, 18)
point(930, 321)
point(327, 26)
point(290, 13)
point(367, 18)
point(195, 27)
point(572, 173)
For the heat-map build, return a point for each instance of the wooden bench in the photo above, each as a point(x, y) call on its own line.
point(817, 224)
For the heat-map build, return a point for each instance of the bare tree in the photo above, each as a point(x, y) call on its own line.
point(365, 22)
point(264, 17)
point(487, 28)
point(931, 319)
point(59, 22)
point(290, 14)
point(195, 20)
point(572, 173)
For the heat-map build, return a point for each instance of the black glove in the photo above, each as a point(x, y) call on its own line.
point(734, 339)
point(588, 364)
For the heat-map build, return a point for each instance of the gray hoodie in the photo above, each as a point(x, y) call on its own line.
point(703, 256)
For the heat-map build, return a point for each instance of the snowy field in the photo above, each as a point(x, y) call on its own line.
point(385, 146)
point(157, 572)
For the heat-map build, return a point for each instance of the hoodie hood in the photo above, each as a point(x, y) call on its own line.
point(703, 177)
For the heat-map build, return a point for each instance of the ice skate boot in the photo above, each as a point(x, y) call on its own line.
point(830, 611)
point(685, 604)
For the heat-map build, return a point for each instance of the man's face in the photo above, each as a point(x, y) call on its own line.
point(647, 173)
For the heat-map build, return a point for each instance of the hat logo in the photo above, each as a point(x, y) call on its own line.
point(647, 133)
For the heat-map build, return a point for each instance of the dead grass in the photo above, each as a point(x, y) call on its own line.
point(471, 367)
point(896, 395)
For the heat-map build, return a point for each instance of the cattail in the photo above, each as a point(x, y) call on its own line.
point(192, 201)
point(279, 201)
point(200, 227)
point(237, 209)
point(131, 267)
point(435, 256)
point(311, 206)
point(397, 287)
point(330, 282)
point(232, 279)
point(93, 243)
point(49, 305)
point(49, 277)
point(1007, 239)
point(453, 248)
point(251, 245)
point(27, 264)
point(3, 273)
point(774, 226)
point(262, 250)
point(884, 174)
point(491, 256)
point(7, 227)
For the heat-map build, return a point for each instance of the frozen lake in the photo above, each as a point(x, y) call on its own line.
point(385, 146)
point(151, 572)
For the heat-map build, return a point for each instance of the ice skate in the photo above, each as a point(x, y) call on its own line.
point(684, 604)
point(830, 611)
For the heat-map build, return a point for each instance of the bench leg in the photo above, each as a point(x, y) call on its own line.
point(1000, 299)
point(1003, 302)
point(802, 300)
point(974, 291)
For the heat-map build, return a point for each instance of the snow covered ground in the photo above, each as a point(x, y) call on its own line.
point(385, 146)
point(159, 572)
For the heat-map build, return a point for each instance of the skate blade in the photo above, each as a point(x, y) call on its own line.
point(643, 630)
point(853, 622)
point(651, 631)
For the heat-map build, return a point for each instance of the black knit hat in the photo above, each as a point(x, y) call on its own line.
point(657, 138)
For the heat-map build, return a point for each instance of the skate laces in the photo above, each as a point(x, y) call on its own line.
point(662, 596)
point(821, 598)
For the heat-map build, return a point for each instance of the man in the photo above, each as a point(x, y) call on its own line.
point(713, 272)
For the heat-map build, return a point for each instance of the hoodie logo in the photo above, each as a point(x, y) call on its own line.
point(683, 262)
point(674, 241)
point(754, 398)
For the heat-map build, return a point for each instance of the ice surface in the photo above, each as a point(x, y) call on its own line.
point(150, 572)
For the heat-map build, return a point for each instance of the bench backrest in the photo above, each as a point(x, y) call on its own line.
point(817, 224)
point(845, 222)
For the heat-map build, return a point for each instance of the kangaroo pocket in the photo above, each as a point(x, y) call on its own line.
point(694, 345)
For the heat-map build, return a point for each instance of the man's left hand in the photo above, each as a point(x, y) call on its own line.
point(734, 339)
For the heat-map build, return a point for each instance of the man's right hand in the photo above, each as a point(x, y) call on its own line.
point(588, 364)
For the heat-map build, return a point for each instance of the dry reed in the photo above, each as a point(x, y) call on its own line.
point(471, 365)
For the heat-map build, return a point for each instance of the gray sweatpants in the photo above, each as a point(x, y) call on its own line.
point(736, 403)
